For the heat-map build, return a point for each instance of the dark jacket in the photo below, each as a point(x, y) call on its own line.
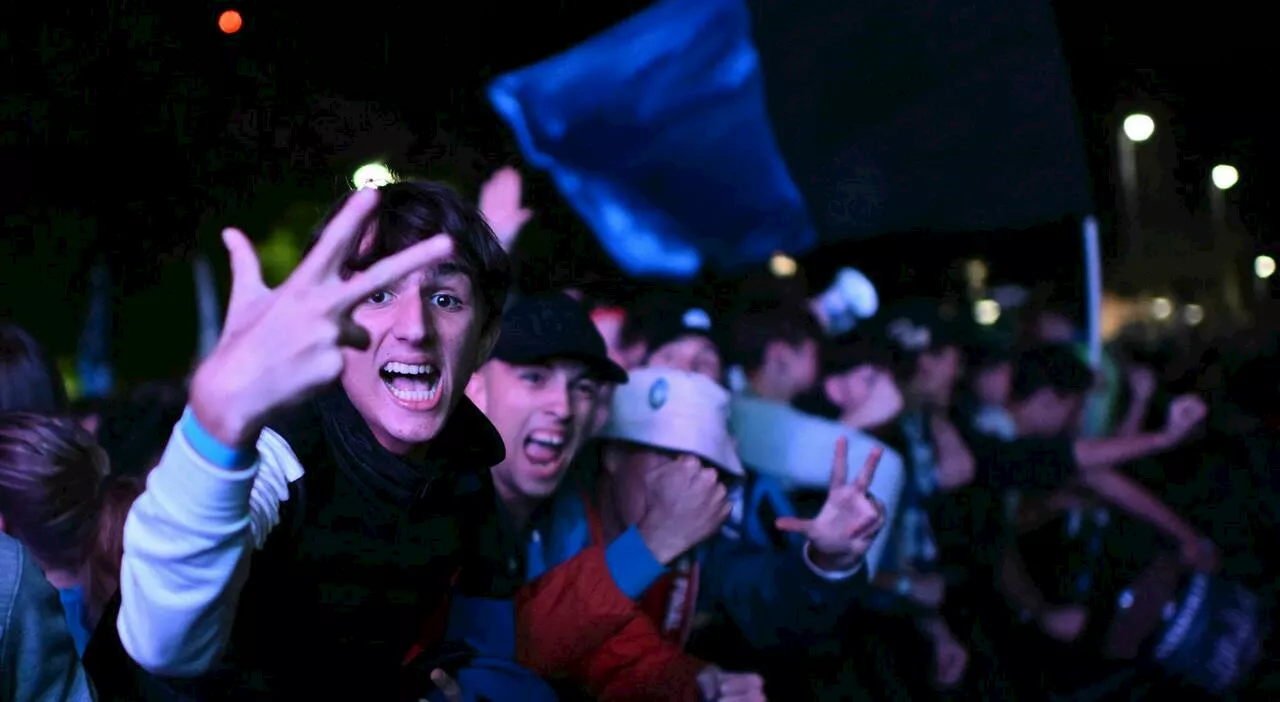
point(311, 568)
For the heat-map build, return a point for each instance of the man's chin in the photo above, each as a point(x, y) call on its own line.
point(406, 428)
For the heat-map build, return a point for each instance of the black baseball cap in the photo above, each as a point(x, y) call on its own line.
point(916, 325)
point(554, 325)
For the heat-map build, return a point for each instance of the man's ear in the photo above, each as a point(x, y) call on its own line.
point(488, 339)
point(775, 354)
point(475, 389)
point(610, 456)
point(834, 391)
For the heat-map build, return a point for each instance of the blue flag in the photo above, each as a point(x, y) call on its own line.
point(656, 132)
point(915, 115)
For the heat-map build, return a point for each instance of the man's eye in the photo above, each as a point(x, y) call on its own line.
point(380, 297)
point(445, 301)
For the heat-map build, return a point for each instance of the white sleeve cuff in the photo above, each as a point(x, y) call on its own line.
point(832, 575)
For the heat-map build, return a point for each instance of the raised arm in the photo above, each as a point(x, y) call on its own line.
point(212, 497)
point(187, 545)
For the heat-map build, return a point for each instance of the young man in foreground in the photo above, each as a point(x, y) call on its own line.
point(328, 487)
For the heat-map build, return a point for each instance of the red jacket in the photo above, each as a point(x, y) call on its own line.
point(573, 623)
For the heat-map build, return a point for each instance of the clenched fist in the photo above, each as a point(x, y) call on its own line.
point(686, 503)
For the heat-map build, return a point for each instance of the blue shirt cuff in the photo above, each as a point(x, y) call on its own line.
point(633, 566)
point(830, 575)
point(210, 448)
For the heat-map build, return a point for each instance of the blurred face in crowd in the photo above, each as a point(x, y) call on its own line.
point(427, 335)
point(793, 365)
point(627, 465)
point(544, 413)
point(1047, 413)
point(867, 395)
point(937, 371)
point(693, 353)
point(1054, 328)
point(992, 384)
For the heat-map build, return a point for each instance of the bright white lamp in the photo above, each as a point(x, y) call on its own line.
point(1264, 267)
point(372, 175)
point(1224, 176)
point(1139, 127)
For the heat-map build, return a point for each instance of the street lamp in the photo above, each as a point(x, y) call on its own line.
point(1139, 127)
point(372, 175)
point(1162, 308)
point(782, 265)
point(1224, 176)
point(230, 22)
point(986, 312)
point(1264, 267)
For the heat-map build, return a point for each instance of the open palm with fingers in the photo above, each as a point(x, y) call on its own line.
point(844, 529)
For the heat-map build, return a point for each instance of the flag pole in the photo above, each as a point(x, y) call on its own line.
point(1093, 288)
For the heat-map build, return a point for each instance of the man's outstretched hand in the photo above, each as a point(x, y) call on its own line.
point(278, 346)
point(842, 532)
point(1186, 413)
point(502, 204)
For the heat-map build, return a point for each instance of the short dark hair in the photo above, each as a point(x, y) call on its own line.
point(412, 211)
point(50, 470)
point(1055, 367)
point(29, 379)
point(657, 318)
point(756, 327)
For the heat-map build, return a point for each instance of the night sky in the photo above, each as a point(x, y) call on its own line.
point(134, 131)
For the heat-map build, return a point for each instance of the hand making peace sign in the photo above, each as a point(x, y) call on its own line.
point(278, 346)
point(842, 532)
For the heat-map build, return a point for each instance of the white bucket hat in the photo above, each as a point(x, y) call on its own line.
point(677, 411)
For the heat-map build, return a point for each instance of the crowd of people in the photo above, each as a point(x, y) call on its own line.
point(397, 477)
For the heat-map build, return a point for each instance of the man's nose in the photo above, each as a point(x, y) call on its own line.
point(412, 322)
point(557, 402)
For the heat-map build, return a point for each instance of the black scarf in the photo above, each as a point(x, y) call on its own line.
point(463, 450)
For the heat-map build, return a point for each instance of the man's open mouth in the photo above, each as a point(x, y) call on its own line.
point(543, 447)
point(411, 382)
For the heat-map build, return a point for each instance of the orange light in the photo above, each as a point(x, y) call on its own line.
point(230, 22)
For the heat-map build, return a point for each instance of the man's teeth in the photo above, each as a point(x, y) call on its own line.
point(546, 438)
point(414, 395)
point(408, 369)
point(423, 381)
